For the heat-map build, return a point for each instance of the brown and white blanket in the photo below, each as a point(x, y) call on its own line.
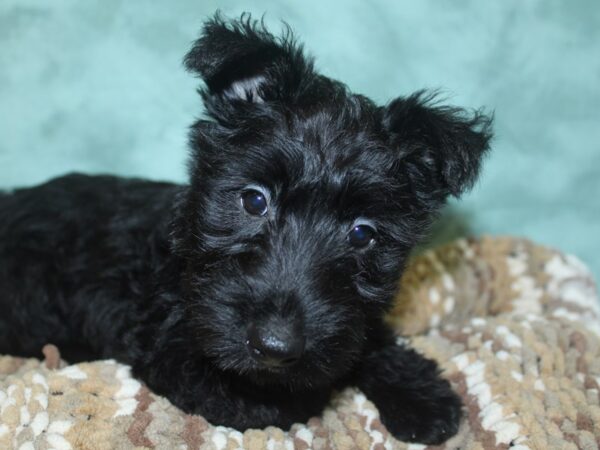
point(515, 326)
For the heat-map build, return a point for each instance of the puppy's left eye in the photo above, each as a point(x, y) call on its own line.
point(361, 236)
point(254, 202)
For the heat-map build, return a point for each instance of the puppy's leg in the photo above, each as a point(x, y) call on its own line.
point(414, 402)
point(228, 400)
point(243, 411)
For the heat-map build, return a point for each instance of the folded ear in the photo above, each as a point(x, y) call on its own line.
point(440, 147)
point(241, 60)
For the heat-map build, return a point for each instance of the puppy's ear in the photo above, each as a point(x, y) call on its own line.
point(440, 147)
point(241, 60)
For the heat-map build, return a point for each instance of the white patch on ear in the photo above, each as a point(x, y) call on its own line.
point(246, 89)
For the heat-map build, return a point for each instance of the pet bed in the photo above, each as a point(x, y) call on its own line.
point(515, 327)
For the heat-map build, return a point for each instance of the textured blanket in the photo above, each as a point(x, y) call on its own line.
point(515, 326)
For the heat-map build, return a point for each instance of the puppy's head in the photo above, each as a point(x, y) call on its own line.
point(304, 202)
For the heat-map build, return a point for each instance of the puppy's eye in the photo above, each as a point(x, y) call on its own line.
point(254, 202)
point(361, 236)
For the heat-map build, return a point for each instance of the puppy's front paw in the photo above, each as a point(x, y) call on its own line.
point(414, 402)
point(427, 417)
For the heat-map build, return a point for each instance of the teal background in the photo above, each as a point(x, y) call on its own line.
point(98, 86)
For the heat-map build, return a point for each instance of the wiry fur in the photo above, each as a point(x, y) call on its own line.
point(168, 278)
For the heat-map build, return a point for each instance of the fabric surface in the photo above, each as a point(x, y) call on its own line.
point(515, 327)
point(98, 86)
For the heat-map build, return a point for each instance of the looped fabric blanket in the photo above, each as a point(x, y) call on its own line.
point(514, 326)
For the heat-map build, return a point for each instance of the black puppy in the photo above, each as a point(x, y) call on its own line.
point(250, 294)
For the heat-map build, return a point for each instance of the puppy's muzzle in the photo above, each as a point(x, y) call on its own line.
point(277, 343)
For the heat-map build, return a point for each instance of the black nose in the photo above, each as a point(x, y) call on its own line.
point(275, 345)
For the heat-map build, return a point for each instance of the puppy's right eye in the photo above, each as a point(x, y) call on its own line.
point(254, 202)
point(361, 236)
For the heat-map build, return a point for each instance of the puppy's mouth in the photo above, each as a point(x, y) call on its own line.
point(274, 377)
point(261, 363)
point(273, 372)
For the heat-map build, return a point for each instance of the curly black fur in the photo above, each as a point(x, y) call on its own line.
point(170, 278)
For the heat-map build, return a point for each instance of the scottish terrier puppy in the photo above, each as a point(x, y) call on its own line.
point(254, 291)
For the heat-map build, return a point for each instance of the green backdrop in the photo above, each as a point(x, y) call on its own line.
point(98, 86)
